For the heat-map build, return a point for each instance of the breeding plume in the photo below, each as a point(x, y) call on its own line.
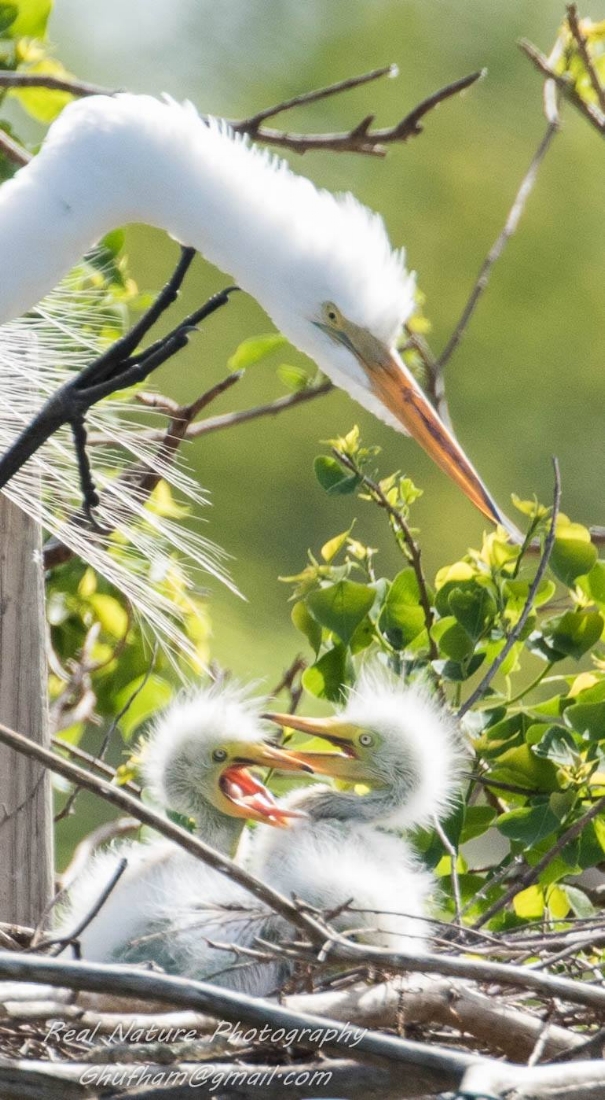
point(196, 761)
point(320, 265)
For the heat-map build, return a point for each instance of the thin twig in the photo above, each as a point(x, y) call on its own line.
point(361, 138)
point(498, 246)
point(52, 83)
point(250, 125)
point(453, 854)
point(530, 875)
point(412, 549)
point(62, 941)
point(13, 151)
point(132, 806)
point(578, 34)
point(233, 419)
point(516, 631)
point(592, 114)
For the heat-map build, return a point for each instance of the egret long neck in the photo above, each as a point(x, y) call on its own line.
point(375, 806)
point(108, 161)
point(217, 829)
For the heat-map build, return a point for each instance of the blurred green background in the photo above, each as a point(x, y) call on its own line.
point(527, 381)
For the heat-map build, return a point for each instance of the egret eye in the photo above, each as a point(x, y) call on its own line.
point(219, 755)
point(365, 739)
point(332, 314)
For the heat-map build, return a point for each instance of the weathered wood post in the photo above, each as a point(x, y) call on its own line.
point(26, 833)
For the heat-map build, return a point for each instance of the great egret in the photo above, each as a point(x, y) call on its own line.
point(196, 761)
point(346, 855)
point(320, 265)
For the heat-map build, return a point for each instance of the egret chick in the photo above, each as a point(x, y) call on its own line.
point(400, 743)
point(196, 761)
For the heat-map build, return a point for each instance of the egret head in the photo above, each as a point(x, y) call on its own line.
point(389, 737)
point(197, 758)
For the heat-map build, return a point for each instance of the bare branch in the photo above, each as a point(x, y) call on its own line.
point(12, 150)
point(499, 244)
point(578, 34)
point(592, 114)
point(516, 631)
point(250, 125)
point(407, 540)
point(52, 83)
point(531, 874)
point(361, 138)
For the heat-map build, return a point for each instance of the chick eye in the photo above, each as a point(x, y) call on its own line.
point(365, 739)
point(219, 755)
point(331, 313)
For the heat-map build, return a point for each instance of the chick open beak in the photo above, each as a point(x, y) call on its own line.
point(343, 764)
point(247, 796)
point(396, 388)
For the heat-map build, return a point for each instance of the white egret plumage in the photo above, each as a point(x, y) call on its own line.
point(320, 265)
point(346, 855)
point(196, 761)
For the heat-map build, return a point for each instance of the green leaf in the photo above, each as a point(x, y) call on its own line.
point(474, 608)
point(402, 617)
point(304, 621)
point(327, 677)
point(155, 694)
point(457, 671)
point(593, 584)
point(587, 718)
point(573, 554)
point(295, 378)
point(529, 903)
point(341, 607)
point(477, 821)
point(331, 548)
point(575, 632)
point(8, 14)
point(254, 349)
point(580, 903)
point(528, 824)
point(332, 477)
point(554, 743)
point(454, 640)
point(110, 614)
point(32, 19)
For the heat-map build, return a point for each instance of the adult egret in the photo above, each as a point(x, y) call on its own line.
point(196, 761)
point(346, 855)
point(320, 265)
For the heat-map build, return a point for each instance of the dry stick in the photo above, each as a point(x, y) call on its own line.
point(250, 125)
point(361, 138)
point(591, 113)
point(338, 946)
point(549, 542)
point(499, 244)
point(99, 756)
point(181, 428)
point(52, 83)
point(243, 416)
point(147, 816)
point(412, 548)
point(578, 34)
point(62, 941)
point(532, 873)
point(13, 151)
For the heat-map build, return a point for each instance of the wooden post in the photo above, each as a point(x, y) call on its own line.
point(26, 824)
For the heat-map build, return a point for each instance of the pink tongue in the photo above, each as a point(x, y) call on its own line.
point(248, 793)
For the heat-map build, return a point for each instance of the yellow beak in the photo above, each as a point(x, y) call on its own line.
point(338, 765)
point(265, 755)
point(396, 388)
